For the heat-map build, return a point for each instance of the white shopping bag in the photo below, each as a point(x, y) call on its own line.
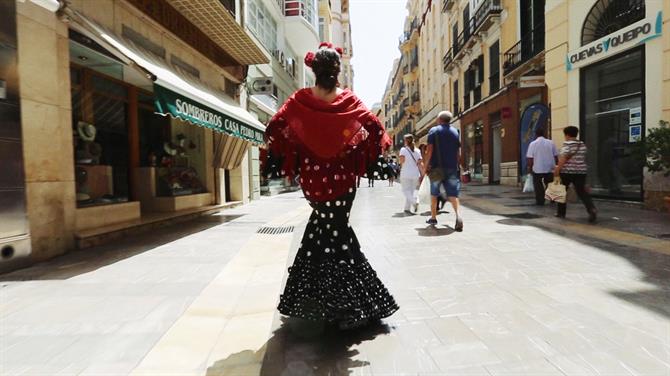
point(528, 185)
point(424, 191)
point(556, 191)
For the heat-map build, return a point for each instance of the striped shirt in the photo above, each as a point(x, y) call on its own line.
point(575, 152)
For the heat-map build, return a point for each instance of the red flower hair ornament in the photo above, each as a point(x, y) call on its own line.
point(309, 57)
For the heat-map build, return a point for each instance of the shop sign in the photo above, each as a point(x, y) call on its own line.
point(168, 102)
point(634, 133)
point(621, 40)
point(534, 116)
point(635, 115)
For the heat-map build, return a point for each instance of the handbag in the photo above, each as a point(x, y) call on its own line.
point(528, 184)
point(556, 191)
point(437, 174)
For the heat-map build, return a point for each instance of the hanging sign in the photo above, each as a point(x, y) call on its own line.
point(621, 40)
point(534, 116)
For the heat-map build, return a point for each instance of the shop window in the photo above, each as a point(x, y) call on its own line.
point(99, 120)
point(473, 148)
point(181, 166)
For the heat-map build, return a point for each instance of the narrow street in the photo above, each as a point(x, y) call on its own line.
point(504, 297)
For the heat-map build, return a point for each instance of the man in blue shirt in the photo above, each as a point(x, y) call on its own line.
point(443, 153)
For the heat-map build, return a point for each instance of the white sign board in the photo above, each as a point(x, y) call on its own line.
point(635, 116)
point(621, 40)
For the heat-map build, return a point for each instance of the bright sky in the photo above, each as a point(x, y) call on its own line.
point(376, 26)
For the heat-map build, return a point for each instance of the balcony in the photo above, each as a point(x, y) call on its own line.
point(481, 22)
point(485, 15)
point(448, 59)
point(526, 50)
point(447, 5)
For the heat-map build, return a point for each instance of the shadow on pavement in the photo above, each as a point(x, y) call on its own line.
point(654, 265)
point(403, 215)
point(435, 231)
point(83, 261)
point(300, 347)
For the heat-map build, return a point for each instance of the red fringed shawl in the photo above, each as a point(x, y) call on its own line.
point(327, 144)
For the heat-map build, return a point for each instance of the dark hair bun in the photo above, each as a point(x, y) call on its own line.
point(326, 68)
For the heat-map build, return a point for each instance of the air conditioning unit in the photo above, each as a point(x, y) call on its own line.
point(260, 86)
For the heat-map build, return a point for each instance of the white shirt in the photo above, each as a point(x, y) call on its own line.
point(410, 169)
point(543, 152)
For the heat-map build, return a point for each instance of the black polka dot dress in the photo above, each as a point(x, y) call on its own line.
point(330, 279)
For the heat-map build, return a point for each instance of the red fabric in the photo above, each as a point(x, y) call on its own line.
point(327, 144)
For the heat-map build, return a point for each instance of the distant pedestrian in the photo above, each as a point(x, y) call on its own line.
point(390, 170)
point(542, 157)
point(443, 166)
point(572, 169)
point(324, 133)
point(410, 172)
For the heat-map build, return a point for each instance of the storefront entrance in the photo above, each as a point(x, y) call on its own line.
point(612, 107)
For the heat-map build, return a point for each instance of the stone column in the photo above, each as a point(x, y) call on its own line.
point(44, 77)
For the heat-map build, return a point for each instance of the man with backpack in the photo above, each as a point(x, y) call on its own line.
point(443, 166)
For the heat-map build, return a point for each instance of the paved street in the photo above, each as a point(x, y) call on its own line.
point(502, 298)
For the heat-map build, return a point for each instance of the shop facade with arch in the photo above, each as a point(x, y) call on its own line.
point(608, 74)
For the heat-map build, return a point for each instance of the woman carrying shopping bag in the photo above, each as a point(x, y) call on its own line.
point(572, 169)
point(410, 173)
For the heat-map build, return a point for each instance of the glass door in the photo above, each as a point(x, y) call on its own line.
point(612, 100)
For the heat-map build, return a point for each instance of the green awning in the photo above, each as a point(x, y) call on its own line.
point(172, 103)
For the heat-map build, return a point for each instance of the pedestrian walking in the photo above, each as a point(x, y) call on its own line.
point(542, 157)
point(326, 134)
point(443, 165)
point(411, 171)
point(572, 169)
point(390, 170)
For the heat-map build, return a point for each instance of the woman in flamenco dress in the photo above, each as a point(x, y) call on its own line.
point(324, 135)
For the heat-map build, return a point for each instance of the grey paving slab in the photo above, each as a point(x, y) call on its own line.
point(501, 298)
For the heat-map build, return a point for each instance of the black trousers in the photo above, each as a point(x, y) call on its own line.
point(579, 181)
point(540, 183)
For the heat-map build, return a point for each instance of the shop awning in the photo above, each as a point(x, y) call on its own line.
point(177, 94)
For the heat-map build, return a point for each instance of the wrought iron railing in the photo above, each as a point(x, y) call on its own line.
point(471, 28)
point(466, 101)
point(488, 8)
point(528, 47)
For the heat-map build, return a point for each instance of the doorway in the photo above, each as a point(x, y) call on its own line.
point(612, 114)
point(496, 148)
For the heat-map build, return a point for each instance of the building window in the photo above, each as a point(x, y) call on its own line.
point(608, 16)
point(303, 8)
point(454, 95)
point(494, 67)
point(262, 25)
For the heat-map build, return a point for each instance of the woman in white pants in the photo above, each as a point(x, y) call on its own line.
point(410, 173)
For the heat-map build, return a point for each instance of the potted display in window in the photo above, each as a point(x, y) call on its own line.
point(655, 150)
